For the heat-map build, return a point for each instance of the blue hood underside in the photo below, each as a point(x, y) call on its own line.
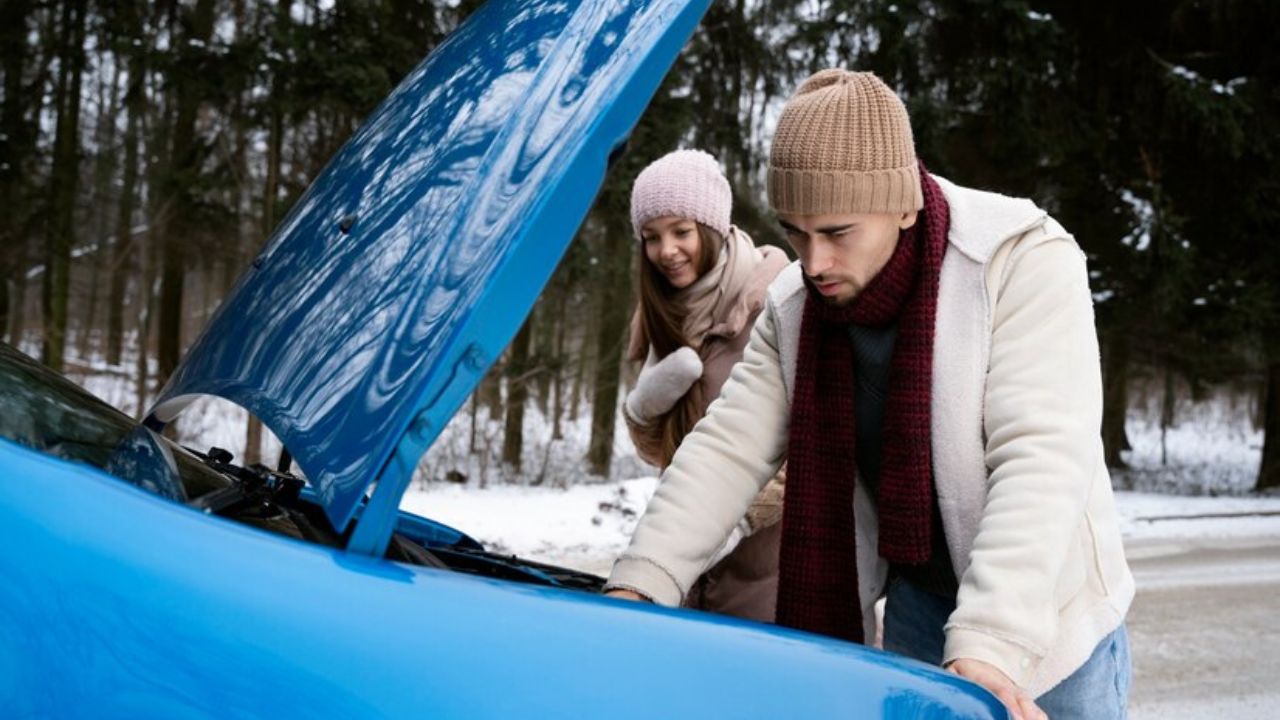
point(410, 263)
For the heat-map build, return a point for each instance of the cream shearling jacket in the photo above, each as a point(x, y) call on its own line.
point(1025, 496)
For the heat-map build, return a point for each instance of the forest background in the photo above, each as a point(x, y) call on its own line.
point(148, 149)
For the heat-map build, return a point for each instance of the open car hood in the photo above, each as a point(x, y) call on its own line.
point(412, 260)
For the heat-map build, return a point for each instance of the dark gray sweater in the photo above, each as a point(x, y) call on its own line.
point(873, 358)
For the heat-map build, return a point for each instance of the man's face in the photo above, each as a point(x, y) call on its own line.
point(841, 253)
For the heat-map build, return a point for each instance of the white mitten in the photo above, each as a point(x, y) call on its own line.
point(661, 384)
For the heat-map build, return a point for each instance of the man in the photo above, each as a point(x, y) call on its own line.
point(930, 370)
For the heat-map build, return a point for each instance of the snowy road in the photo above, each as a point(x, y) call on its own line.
point(1204, 629)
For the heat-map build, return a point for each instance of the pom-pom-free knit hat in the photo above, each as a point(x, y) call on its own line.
point(844, 145)
point(686, 184)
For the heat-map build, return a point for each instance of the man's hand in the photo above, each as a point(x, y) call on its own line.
point(627, 595)
point(1020, 704)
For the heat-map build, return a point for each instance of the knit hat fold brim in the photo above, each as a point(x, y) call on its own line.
point(812, 192)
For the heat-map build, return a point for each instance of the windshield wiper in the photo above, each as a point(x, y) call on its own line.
point(251, 486)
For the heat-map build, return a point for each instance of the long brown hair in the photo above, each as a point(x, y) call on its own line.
point(662, 328)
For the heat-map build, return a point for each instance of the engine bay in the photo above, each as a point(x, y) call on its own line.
point(276, 501)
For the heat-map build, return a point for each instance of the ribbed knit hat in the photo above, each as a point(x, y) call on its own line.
point(686, 184)
point(844, 145)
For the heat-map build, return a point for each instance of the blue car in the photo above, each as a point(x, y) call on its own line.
point(142, 579)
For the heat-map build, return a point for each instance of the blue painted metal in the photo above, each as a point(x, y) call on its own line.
point(117, 603)
point(385, 294)
point(411, 262)
point(423, 531)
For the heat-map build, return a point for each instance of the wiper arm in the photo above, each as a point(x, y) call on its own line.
point(253, 485)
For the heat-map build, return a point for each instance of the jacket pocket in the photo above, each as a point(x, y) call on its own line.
point(1072, 577)
point(1095, 554)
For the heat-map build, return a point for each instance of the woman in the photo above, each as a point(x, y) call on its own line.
point(702, 283)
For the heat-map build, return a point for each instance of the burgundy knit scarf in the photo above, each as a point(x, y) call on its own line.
point(818, 581)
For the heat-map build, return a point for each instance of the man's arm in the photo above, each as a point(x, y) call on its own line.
point(1042, 419)
point(717, 471)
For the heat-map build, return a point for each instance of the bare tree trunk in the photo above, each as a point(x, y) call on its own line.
point(1167, 407)
point(270, 193)
point(64, 178)
point(122, 251)
point(1269, 469)
point(615, 295)
point(475, 411)
point(1116, 399)
point(13, 151)
point(544, 355)
point(253, 440)
point(148, 290)
point(18, 305)
point(517, 394)
point(6, 291)
point(491, 390)
point(585, 357)
point(169, 323)
point(103, 172)
point(185, 165)
point(558, 365)
point(84, 340)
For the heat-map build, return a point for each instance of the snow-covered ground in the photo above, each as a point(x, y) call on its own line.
point(582, 527)
point(1212, 448)
point(1150, 516)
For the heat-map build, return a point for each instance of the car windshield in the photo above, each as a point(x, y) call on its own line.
point(43, 410)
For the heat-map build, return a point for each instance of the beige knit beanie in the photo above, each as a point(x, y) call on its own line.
point(844, 145)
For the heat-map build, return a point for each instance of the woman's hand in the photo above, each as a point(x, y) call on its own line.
point(1021, 706)
point(662, 384)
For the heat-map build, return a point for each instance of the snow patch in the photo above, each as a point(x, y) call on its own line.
point(1195, 78)
point(1148, 516)
point(582, 527)
point(1143, 212)
point(1212, 447)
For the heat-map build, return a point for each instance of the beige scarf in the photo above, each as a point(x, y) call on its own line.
point(716, 302)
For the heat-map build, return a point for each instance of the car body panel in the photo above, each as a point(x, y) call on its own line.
point(390, 288)
point(412, 260)
point(157, 610)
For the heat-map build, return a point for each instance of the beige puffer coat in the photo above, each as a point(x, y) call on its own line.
point(745, 583)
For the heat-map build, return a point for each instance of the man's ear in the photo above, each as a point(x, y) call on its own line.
point(908, 219)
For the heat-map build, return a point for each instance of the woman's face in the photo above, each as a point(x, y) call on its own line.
point(672, 245)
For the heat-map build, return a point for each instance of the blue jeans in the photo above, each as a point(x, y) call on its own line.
point(913, 621)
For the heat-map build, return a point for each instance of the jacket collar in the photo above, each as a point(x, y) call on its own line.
point(982, 221)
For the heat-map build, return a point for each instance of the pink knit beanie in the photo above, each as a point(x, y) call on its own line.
point(686, 184)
